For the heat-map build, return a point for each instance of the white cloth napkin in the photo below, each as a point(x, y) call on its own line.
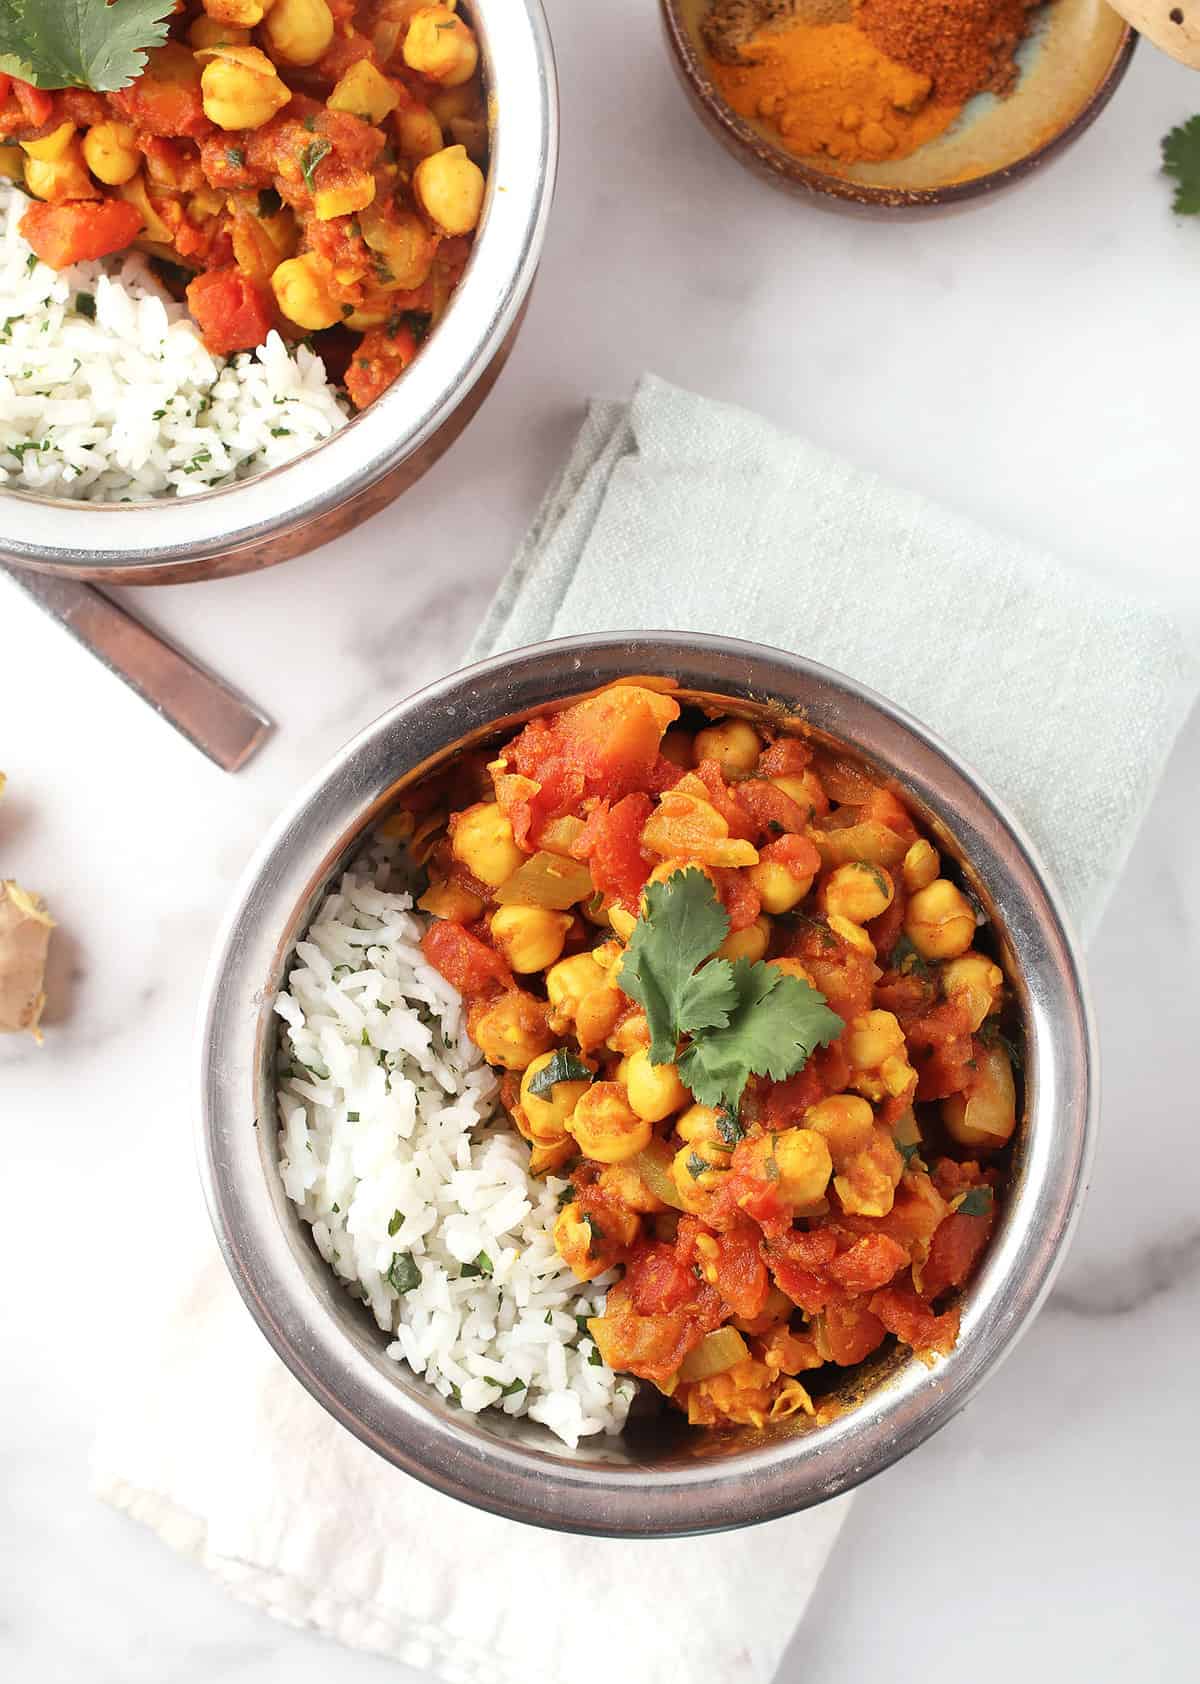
point(672, 512)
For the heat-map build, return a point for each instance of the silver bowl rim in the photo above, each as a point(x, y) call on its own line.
point(442, 1446)
point(521, 81)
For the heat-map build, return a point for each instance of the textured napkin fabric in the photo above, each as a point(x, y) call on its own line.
point(672, 513)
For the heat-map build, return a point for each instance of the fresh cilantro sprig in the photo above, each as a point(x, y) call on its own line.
point(682, 925)
point(1181, 159)
point(80, 43)
point(743, 1019)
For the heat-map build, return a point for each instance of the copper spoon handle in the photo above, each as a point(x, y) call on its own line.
point(221, 724)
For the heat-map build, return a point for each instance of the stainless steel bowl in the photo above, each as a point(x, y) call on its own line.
point(658, 1479)
point(385, 449)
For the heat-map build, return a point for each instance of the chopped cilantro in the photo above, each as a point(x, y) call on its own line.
point(696, 1166)
point(395, 1225)
point(31, 262)
point(366, 1039)
point(513, 1387)
point(352, 1116)
point(311, 157)
point(977, 1202)
point(567, 1194)
point(236, 157)
point(563, 1066)
point(403, 1274)
point(85, 304)
point(907, 1149)
point(482, 1265)
point(158, 414)
point(907, 961)
point(728, 1127)
point(281, 432)
point(198, 461)
point(33, 444)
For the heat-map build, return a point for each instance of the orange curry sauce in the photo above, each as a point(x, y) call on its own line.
point(838, 1207)
point(316, 164)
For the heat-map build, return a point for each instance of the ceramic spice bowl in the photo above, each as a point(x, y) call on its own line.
point(1071, 65)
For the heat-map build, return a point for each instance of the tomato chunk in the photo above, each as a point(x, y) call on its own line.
point(611, 843)
point(233, 314)
point(36, 104)
point(381, 359)
point(78, 231)
point(467, 963)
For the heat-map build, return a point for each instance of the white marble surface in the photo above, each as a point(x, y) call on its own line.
point(1032, 362)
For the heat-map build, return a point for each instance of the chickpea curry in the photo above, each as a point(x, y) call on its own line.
point(316, 166)
point(740, 1007)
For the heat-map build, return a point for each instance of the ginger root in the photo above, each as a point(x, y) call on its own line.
point(25, 928)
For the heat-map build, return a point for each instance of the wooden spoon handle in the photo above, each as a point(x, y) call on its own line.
point(1173, 25)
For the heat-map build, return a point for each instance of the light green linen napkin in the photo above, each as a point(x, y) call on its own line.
point(675, 513)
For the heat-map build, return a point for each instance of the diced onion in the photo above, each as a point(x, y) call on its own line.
point(548, 880)
point(716, 1352)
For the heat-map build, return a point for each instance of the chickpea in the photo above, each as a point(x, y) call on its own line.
point(582, 1243)
point(793, 967)
point(974, 982)
point(852, 934)
point(607, 1127)
point(655, 1090)
point(241, 90)
point(733, 744)
point(632, 1032)
point(986, 1117)
point(449, 188)
point(867, 1185)
point(242, 14)
point(698, 1126)
point(209, 32)
point(859, 892)
point(440, 46)
point(482, 839)
point(623, 1183)
point(570, 982)
point(447, 103)
point(51, 146)
point(406, 248)
point(676, 747)
point(418, 132)
point(299, 31)
point(805, 790)
point(921, 865)
point(547, 1114)
point(301, 288)
point(60, 178)
point(847, 1124)
point(878, 1057)
point(778, 890)
point(510, 1030)
point(750, 943)
point(530, 937)
point(696, 1176)
point(109, 152)
point(804, 1164)
point(940, 921)
point(365, 92)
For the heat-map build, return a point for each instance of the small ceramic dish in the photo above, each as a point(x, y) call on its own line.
point(1071, 65)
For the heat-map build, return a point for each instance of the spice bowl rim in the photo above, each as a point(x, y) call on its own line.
point(621, 1488)
point(271, 516)
point(796, 175)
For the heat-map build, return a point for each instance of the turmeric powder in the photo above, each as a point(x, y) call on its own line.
point(829, 90)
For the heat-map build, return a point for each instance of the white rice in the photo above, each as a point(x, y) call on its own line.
point(117, 400)
point(393, 1144)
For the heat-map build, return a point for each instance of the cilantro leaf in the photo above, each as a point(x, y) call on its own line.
point(80, 43)
point(774, 1026)
point(563, 1067)
point(311, 157)
point(978, 1202)
point(683, 923)
point(403, 1274)
point(1181, 159)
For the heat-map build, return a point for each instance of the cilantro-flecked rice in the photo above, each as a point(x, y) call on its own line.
point(108, 394)
point(416, 1186)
